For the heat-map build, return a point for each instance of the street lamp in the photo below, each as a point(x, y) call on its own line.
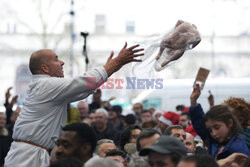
point(84, 51)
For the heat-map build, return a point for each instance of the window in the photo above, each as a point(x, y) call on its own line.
point(130, 27)
point(152, 102)
point(100, 23)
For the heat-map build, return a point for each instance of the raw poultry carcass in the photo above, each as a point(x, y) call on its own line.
point(173, 45)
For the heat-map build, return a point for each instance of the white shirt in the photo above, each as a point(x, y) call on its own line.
point(44, 109)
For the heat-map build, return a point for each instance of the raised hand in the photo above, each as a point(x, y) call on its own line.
point(111, 98)
point(195, 95)
point(125, 56)
point(110, 57)
point(234, 160)
point(7, 94)
point(128, 55)
point(14, 100)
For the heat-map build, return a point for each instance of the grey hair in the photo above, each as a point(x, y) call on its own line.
point(103, 162)
point(138, 161)
point(99, 143)
point(102, 110)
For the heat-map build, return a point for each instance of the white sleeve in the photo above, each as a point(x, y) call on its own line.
point(70, 90)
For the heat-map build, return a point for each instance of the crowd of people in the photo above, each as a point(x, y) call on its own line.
point(49, 131)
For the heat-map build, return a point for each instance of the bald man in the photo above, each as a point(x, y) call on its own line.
point(83, 108)
point(189, 143)
point(44, 108)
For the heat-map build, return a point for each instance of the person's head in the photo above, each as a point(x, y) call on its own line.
point(167, 119)
point(180, 107)
point(92, 118)
point(97, 95)
point(146, 115)
point(46, 62)
point(117, 155)
point(137, 108)
point(101, 118)
point(83, 108)
point(67, 162)
point(221, 123)
point(104, 146)
point(129, 135)
point(166, 151)
point(152, 109)
point(138, 161)
point(163, 126)
point(146, 138)
point(190, 143)
point(115, 112)
point(184, 120)
point(164, 122)
point(149, 124)
point(2, 120)
point(102, 162)
point(76, 140)
point(197, 161)
point(157, 114)
point(199, 142)
point(129, 120)
point(176, 131)
point(130, 148)
point(241, 110)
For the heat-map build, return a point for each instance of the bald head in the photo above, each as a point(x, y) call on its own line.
point(37, 59)
point(83, 108)
point(46, 62)
point(189, 143)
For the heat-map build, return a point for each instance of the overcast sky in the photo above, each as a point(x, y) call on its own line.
point(226, 17)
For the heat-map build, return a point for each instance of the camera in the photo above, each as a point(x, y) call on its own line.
point(84, 34)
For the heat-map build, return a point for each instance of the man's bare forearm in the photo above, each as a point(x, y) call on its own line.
point(112, 66)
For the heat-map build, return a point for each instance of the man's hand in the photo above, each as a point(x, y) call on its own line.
point(195, 95)
point(111, 98)
point(7, 94)
point(126, 55)
point(110, 57)
point(234, 160)
point(14, 100)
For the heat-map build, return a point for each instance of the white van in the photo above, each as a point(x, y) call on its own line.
point(178, 91)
